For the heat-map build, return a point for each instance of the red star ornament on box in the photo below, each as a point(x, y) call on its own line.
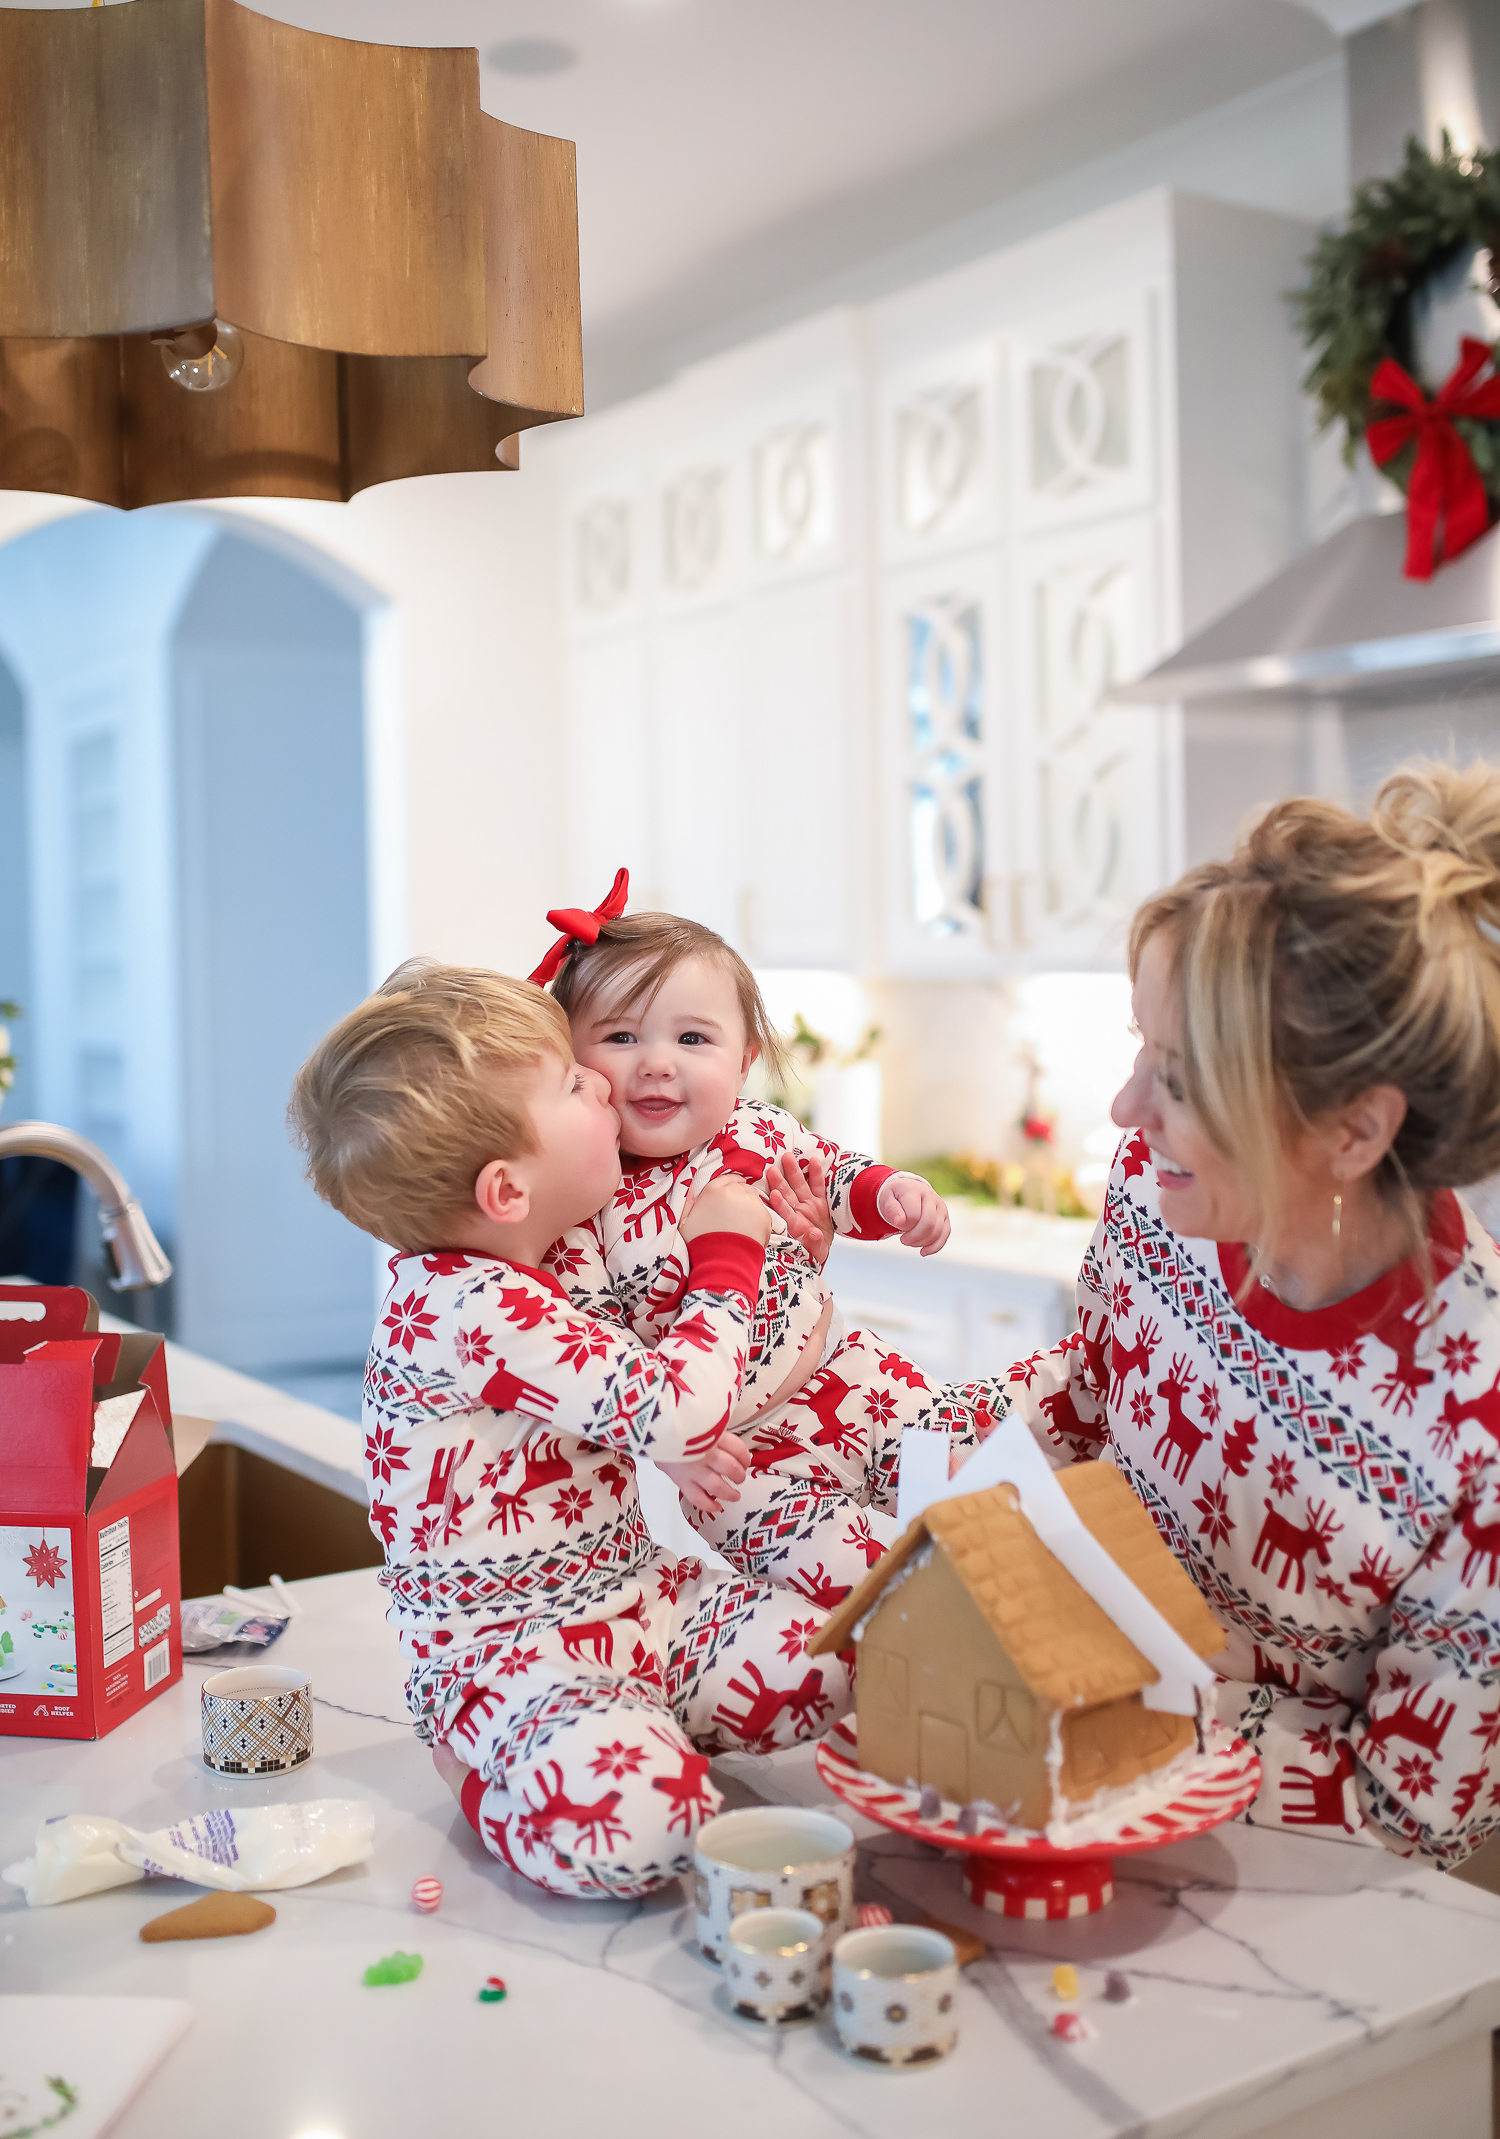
point(44, 1564)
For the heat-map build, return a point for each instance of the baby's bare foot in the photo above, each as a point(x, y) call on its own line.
point(452, 1770)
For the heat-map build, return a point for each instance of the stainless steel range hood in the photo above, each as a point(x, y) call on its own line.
point(1344, 622)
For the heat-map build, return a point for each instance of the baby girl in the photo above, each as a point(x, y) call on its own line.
point(673, 1018)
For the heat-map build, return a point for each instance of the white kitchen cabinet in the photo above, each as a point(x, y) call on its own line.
point(799, 745)
point(612, 797)
point(954, 1319)
point(697, 766)
point(883, 568)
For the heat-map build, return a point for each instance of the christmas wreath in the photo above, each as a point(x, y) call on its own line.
point(1357, 316)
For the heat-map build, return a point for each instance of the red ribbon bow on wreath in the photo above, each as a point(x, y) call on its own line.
point(1445, 484)
point(580, 927)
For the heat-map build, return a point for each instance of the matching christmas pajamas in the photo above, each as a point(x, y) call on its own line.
point(821, 1458)
point(580, 1672)
point(1331, 1481)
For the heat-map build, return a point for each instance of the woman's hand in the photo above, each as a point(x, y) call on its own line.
point(798, 1194)
point(726, 1205)
point(916, 1210)
point(707, 1482)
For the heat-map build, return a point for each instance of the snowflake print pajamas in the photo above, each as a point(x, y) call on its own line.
point(821, 1458)
point(581, 1673)
point(1331, 1481)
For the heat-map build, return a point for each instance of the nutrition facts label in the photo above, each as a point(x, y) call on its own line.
point(116, 1602)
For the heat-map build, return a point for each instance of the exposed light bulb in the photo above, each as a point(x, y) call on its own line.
point(198, 364)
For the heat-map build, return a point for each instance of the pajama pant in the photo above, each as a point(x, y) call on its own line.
point(818, 1461)
point(589, 1743)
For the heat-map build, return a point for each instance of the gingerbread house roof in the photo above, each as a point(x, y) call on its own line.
point(1065, 1646)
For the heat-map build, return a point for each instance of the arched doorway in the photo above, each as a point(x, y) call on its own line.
point(267, 688)
point(197, 873)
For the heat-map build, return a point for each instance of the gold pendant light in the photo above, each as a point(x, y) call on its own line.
point(243, 260)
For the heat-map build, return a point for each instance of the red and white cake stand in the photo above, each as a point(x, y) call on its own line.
point(1018, 1873)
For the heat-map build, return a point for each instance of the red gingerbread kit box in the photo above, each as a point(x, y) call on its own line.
point(90, 1590)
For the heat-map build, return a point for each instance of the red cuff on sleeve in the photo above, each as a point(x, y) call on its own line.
point(473, 1791)
point(725, 1262)
point(868, 1223)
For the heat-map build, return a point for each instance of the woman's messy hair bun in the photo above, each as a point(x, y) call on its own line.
point(1334, 953)
point(1447, 823)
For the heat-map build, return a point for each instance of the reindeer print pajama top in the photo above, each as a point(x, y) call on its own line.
point(582, 1674)
point(823, 1456)
point(1331, 1481)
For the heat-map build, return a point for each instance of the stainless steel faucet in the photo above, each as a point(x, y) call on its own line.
point(134, 1252)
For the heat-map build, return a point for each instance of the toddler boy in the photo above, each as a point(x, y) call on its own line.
point(571, 1677)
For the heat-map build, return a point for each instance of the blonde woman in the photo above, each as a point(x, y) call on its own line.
point(1289, 1324)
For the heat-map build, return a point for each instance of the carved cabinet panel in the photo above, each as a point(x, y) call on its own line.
point(940, 443)
point(605, 570)
point(1087, 775)
point(1082, 429)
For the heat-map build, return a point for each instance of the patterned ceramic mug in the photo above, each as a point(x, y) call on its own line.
point(894, 1990)
point(775, 1963)
point(256, 1720)
point(770, 1857)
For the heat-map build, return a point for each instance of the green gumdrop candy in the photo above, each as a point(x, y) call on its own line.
point(394, 1968)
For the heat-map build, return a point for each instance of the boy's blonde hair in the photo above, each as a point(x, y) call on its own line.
point(400, 1107)
point(1334, 953)
point(626, 968)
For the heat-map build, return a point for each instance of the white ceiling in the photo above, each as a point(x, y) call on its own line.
point(732, 149)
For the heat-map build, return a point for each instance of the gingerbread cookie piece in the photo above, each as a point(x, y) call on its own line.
point(215, 1916)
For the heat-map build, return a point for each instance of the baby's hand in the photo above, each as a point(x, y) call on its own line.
point(708, 1481)
point(727, 1205)
point(798, 1193)
point(916, 1210)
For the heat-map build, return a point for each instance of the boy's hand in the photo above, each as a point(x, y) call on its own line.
point(916, 1210)
point(708, 1481)
point(798, 1193)
point(726, 1205)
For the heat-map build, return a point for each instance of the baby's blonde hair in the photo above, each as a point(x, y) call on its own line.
point(399, 1108)
point(1335, 953)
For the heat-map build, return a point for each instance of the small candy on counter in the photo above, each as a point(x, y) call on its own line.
point(1071, 2027)
point(929, 1804)
point(968, 1820)
point(1117, 1988)
point(1064, 1981)
point(426, 1894)
point(215, 1916)
point(872, 1915)
point(396, 1967)
point(494, 1990)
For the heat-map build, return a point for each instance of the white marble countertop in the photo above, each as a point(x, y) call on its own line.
point(1287, 1986)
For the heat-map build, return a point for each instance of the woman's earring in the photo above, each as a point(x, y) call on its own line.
point(1338, 1216)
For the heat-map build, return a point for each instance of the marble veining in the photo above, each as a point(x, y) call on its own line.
point(1268, 1972)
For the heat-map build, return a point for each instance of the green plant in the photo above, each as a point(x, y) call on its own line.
point(8, 1011)
point(815, 1048)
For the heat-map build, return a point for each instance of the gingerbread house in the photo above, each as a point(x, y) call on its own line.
point(987, 1671)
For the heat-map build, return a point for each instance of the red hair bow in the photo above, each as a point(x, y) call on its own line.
point(1445, 484)
point(580, 927)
